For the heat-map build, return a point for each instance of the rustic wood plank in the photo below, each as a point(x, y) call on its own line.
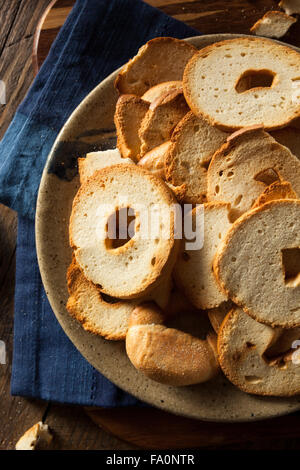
point(7, 16)
point(15, 56)
point(209, 17)
point(17, 25)
point(16, 72)
point(221, 16)
point(8, 230)
point(16, 414)
point(73, 430)
point(155, 429)
point(164, 430)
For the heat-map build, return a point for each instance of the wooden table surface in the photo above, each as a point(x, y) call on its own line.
point(18, 21)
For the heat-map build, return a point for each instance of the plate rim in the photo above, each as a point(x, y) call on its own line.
point(39, 243)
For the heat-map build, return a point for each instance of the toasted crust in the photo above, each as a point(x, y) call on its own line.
point(241, 169)
point(242, 344)
point(252, 250)
point(154, 160)
point(159, 60)
point(97, 160)
point(213, 95)
point(96, 315)
point(156, 92)
point(193, 269)
point(168, 355)
point(277, 190)
point(36, 437)
point(130, 111)
point(100, 315)
point(235, 136)
point(251, 227)
point(193, 143)
point(290, 6)
point(145, 263)
point(274, 24)
point(217, 315)
point(283, 341)
point(161, 119)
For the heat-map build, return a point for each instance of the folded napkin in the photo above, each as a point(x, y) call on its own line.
point(98, 37)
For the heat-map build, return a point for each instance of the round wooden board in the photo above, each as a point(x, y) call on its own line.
point(48, 28)
point(151, 428)
point(210, 17)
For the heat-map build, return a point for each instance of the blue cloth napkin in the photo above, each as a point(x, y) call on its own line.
point(98, 37)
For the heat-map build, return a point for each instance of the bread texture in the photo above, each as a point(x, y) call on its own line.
point(168, 355)
point(229, 84)
point(159, 60)
point(283, 341)
point(216, 129)
point(161, 119)
point(193, 143)
point(242, 344)
point(274, 24)
point(38, 437)
point(242, 169)
point(107, 317)
point(277, 190)
point(217, 315)
point(129, 267)
point(157, 91)
point(97, 160)
point(258, 263)
point(103, 315)
point(130, 111)
point(154, 160)
point(193, 270)
point(290, 6)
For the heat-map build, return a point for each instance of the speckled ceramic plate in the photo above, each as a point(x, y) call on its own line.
point(91, 127)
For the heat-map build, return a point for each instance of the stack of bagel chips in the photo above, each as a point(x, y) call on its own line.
point(218, 130)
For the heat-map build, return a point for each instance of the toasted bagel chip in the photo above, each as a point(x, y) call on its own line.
point(110, 234)
point(230, 85)
point(193, 143)
point(258, 263)
point(193, 270)
point(130, 111)
point(155, 158)
point(97, 160)
point(246, 165)
point(290, 6)
point(157, 91)
point(159, 60)
point(274, 24)
point(161, 119)
point(277, 190)
point(168, 355)
point(242, 346)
